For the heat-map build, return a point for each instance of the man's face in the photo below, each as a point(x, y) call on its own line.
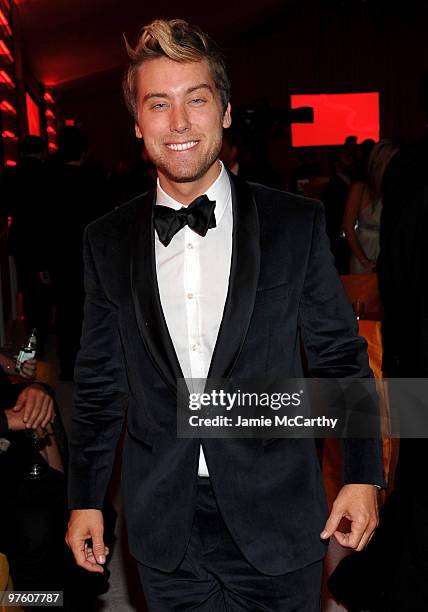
point(180, 118)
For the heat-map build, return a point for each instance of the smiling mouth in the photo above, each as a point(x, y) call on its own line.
point(182, 146)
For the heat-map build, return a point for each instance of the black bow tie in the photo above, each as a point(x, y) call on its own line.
point(199, 216)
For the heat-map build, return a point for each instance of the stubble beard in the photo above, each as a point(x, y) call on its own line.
point(185, 172)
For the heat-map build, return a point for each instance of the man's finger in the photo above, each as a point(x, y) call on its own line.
point(98, 547)
point(363, 542)
point(49, 412)
point(368, 540)
point(39, 412)
point(90, 553)
point(354, 537)
point(342, 538)
point(332, 524)
point(42, 412)
point(79, 552)
point(20, 403)
point(28, 399)
point(35, 401)
point(367, 535)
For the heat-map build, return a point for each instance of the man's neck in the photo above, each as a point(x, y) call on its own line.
point(185, 193)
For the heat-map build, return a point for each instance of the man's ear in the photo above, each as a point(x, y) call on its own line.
point(227, 117)
point(138, 131)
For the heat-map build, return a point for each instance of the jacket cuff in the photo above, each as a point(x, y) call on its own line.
point(363, 462)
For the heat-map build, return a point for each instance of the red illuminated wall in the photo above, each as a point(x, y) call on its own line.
point(33, 116)
point(336, 116)
point(8, 98)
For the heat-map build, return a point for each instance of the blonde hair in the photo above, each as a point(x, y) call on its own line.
point(180, 42)
point(379, 158)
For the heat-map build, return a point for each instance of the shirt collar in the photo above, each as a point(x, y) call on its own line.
point(219, 191)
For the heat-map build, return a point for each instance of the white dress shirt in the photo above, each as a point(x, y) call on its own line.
point(193, 278)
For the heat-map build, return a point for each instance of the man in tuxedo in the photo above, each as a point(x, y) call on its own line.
point(208, 276)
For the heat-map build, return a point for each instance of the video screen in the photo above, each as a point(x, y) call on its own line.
point(336, 116)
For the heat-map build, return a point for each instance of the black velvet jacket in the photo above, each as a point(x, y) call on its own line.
point(283, 287)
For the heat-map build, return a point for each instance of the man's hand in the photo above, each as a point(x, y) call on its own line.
point(85, 524)
point(357, 503)
point(36, 407)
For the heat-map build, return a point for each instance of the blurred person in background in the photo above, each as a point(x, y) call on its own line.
point(32, 510)
point(402, 273)
point(78, 195)
point(361, 221)
point(230, 148)
point(128, 180)
point(307, 169)
point(334, 196)
point(391, 574)
point(24, 193)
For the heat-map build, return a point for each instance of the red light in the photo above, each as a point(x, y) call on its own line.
point(3, 20)
point(5, 51)
point(70, 122)
point(8, 134)
point(48, 97)
point(50, 114)
point(6, 106)
point(9, 219)
point(33, 116)
point(5, 78)
point(10, 162)
point(52, 146)
point(336, 116)
point(51, 130)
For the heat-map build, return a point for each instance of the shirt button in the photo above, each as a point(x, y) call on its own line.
point(194, 347)
point(190, 296)
point(189, 245)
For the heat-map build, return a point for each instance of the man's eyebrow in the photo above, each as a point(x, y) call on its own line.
point(200, 86)
point(150, 95)
point(161, 94)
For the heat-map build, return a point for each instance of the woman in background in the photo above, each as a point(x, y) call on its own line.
point(361, 219)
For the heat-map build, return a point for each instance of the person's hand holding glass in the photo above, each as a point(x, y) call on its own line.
point(28, 369)
point(33, 413)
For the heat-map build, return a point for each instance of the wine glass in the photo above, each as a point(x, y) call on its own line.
point(37, 467)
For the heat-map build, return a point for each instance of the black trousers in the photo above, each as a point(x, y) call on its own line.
point(215, 577)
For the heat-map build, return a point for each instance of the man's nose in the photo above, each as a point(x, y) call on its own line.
point(179, 120)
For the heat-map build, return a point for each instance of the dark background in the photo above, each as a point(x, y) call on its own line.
point(272, 48)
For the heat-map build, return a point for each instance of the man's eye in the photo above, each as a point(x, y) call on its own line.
point(159, 106)
point(197, 101)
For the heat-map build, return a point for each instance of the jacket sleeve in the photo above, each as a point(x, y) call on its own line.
point(333, 348)
point(101, 394)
